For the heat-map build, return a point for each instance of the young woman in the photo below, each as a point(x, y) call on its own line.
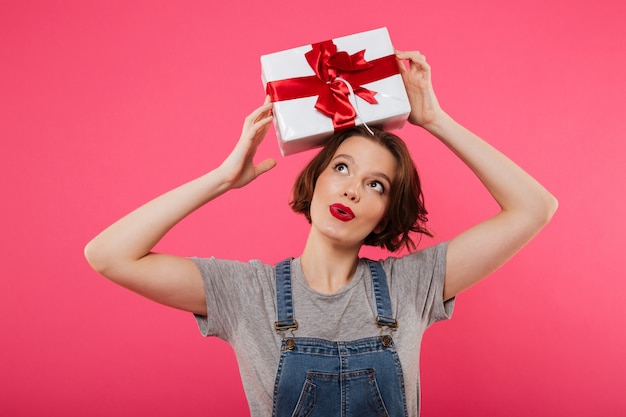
point(328, 333)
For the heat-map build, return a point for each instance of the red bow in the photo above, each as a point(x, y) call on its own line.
point(331, 67)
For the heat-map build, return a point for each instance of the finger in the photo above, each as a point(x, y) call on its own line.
point(265, 166)
point(262, 123)
point(261, 114)
point(419, 61)
point(414, 57)
point(408, 54)
point(401, 65)
point(257, 132)
point(259, 111)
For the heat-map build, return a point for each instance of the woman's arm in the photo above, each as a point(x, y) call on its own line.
point(525, 205)
point(122, 252)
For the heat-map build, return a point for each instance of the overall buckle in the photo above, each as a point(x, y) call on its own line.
point(389, 323)
point(287, 324)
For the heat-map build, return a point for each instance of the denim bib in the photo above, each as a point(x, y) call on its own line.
point(322, 378)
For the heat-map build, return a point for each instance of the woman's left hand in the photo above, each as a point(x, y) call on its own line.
point(425, 108)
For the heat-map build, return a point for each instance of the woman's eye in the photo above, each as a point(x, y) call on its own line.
point(377, 186)
point(341, 167)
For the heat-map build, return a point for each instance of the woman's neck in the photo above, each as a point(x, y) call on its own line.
point(328, 267)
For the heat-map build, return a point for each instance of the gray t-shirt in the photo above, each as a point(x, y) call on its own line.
point(241, 305)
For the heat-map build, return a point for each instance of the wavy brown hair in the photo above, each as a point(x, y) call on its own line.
point(406, 212)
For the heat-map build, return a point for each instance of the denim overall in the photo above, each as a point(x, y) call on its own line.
point(318, 377)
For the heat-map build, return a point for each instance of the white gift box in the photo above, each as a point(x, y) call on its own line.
point(299, 125)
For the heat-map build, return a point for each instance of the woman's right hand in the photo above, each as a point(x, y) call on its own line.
point(123, 252)
point(239, 168)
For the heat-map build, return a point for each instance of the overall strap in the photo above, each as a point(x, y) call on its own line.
point(380, 288)
point(284, 299)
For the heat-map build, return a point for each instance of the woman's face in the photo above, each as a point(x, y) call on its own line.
point(352, 193)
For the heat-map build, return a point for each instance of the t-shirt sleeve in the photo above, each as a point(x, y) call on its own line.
point(230, 288)
point(421, 275)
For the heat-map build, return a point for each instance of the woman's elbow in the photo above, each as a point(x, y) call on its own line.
point(543, 211)
point(95, 257)
point(551, 204)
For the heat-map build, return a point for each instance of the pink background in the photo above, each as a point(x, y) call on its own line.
point(104, 105)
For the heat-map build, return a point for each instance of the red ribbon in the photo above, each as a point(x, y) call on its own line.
point(333, 94)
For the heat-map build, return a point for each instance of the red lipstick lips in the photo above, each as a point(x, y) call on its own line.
point(341, 212)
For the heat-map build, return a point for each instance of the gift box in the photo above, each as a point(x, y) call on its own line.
point(328, 86)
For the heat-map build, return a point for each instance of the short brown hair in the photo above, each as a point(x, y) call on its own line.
point(406, 212)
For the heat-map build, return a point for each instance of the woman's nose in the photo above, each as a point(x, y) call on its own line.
point(352, 193)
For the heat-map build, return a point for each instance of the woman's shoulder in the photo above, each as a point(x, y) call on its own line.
point(420, 273)
point(426, 256)
point(213, 267)
point(417, 268)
